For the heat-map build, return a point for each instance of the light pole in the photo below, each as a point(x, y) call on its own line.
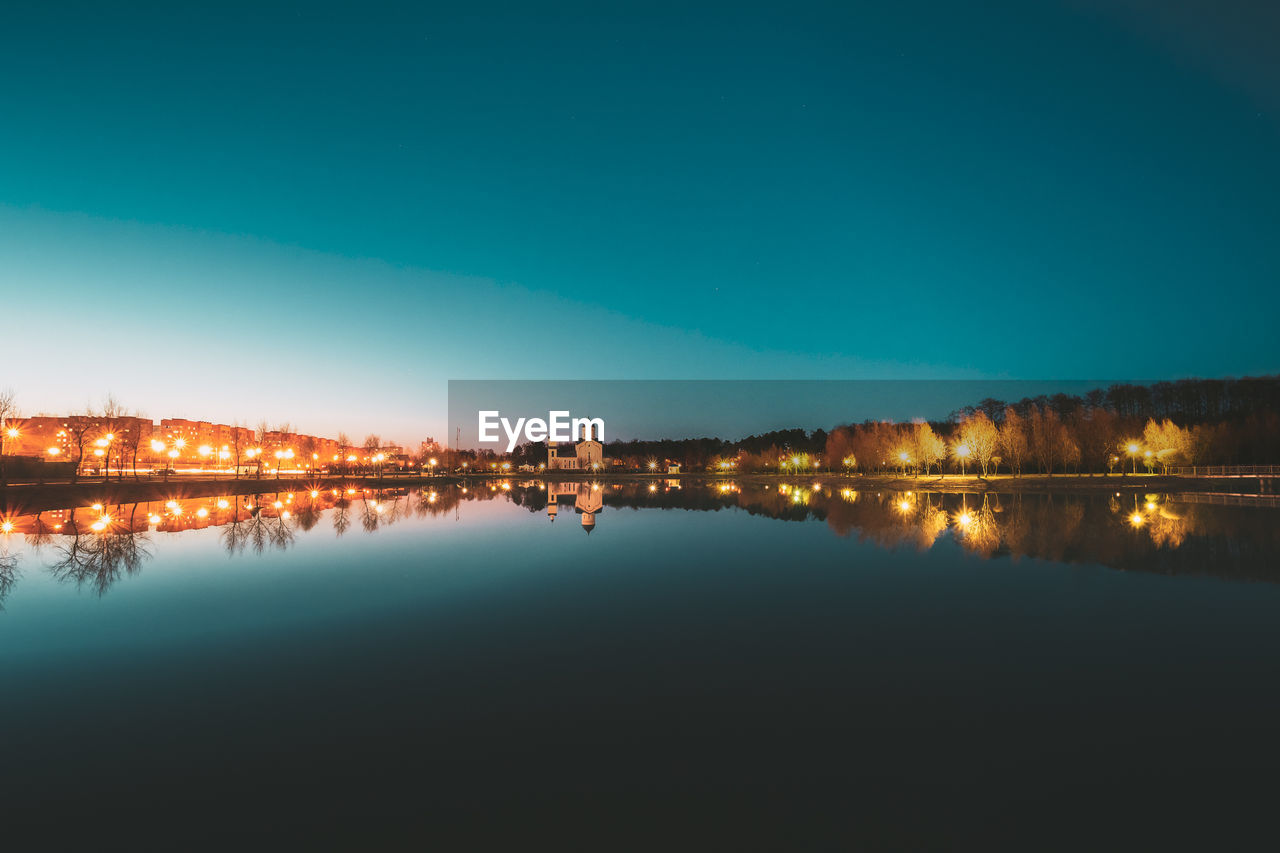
point(962, 453)
point(1133, 454)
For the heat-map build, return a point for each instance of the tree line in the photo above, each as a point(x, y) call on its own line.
point(1122, 427)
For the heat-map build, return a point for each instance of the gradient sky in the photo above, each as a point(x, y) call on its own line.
point(320, 213)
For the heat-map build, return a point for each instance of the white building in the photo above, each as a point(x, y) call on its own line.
point(584, 455)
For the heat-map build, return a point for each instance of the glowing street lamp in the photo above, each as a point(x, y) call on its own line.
point(1132, 449)
point(962, 453)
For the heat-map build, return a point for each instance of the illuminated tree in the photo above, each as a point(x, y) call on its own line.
point(980, 435)
point(1013, 440)
point(930, 449)
point(1168, 443)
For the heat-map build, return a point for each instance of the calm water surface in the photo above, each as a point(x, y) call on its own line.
point(707, 667)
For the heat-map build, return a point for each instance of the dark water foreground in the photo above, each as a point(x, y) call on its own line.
point(641, 667)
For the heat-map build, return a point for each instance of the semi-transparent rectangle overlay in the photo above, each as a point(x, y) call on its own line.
point(646, 409)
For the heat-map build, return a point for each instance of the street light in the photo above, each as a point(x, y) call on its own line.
point(1132, 450)
point(962, 453)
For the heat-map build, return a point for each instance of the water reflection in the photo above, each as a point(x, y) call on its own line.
point(97, 557)
point(95, 546)
point(8, 575)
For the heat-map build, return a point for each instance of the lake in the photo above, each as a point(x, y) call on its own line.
point(669, 664)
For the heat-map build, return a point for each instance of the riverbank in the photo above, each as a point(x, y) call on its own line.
point(32, 498)
point(37, 497)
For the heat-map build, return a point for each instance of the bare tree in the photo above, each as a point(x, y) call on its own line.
point(344, 450)
point(8, 412)
point(260, 433)
point(80, 430)
point(235, 445)
point(112, 427)
point(1013, 440)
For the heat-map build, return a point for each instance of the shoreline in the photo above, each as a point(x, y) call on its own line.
point(37, 497)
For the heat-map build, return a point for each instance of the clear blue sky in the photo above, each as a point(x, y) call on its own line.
point(320, 213)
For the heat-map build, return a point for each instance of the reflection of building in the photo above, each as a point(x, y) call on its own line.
point(584, 455)
point(588, 501)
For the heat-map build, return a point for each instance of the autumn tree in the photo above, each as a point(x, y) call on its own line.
point(1094, 429)
point(930, 449)
point(1045, 437)
point(980, 435)
point(1013, 440)
point(839, 448)
point(1168, 443)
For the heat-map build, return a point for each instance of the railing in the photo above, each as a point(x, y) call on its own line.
point(1225, 470)
point(1219, 499)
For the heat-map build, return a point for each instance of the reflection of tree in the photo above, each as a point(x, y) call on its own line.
point(98, 559)
point(8, 575)
point(369, 516)
point(341, 515)
point(234, 534)
point(41, 534)
point(978, 529)
point(258, 531)
point(932, 521)
point(431, 502)
point(306, 515)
